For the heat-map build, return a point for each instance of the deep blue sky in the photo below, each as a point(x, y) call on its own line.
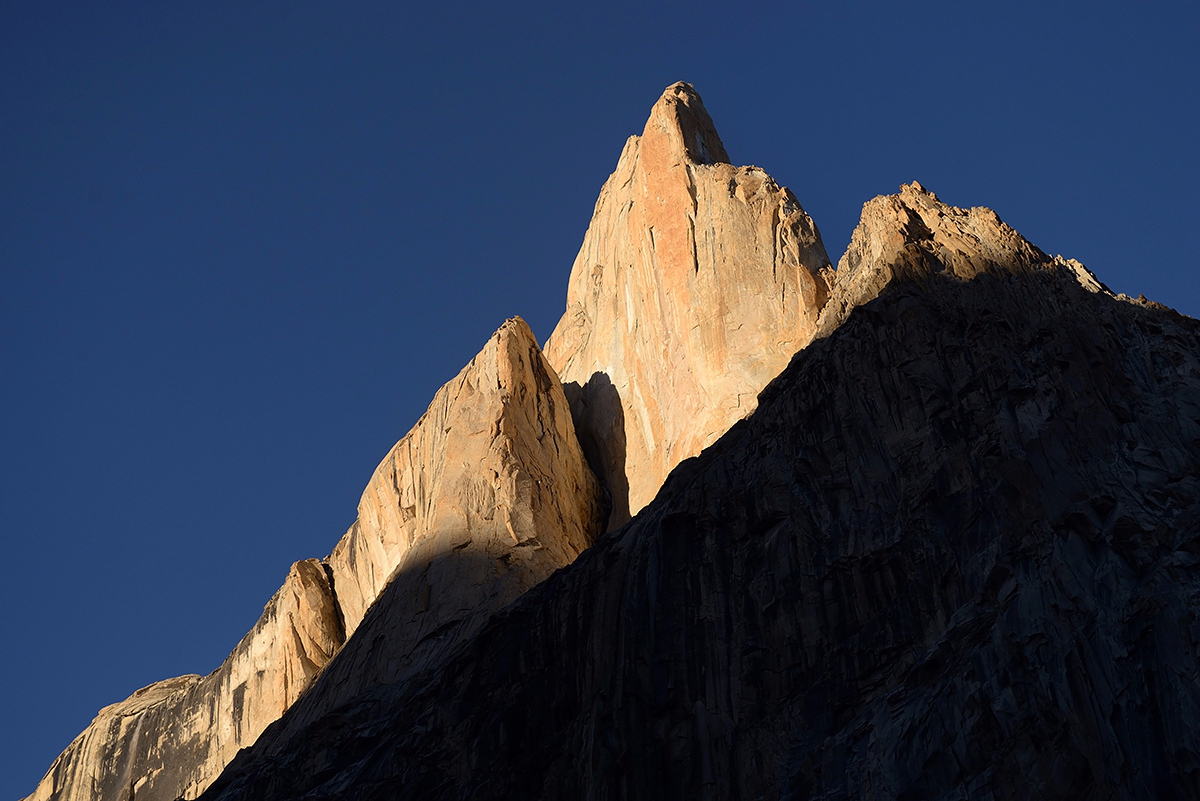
point(242, 244)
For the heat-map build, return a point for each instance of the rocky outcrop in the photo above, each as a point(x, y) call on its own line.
point(912, 236)
point(695, 284)
point(954, 553)
point(493, 469)
point(486, 496)
point(171, 739)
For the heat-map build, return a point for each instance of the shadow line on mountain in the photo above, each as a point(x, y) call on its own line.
point(429, 610)
point(599, 420)
point(825, 562)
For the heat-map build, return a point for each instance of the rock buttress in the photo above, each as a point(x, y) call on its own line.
point(695, 284)
point(171, 739)
point(487, 495)
point(492, 470)
point(499, 497)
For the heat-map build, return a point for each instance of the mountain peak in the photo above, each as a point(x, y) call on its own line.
point(487, 495)
point(992, 453)
point(912, 236)
point(696, 282)
point(680, 125)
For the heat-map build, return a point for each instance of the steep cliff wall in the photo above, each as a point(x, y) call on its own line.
point(174, 737)
point(954, 553)
point(488, 494)
point(493, 464)
point(695, 284)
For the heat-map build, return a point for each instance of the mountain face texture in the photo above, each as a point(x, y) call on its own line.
point(695, 284)
point(497, 496)
point(926, 526)
point(955, 553)
point(492, 470)
point(485, 497)
point(913, 236)
point(174, 737)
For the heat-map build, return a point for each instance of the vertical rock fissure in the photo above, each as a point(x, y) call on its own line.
point(339, 615)
point(126, 780)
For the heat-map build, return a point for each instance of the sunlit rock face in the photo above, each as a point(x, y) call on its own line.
point(912, 236)
point(487, 495)
point(695, 284)
point(492, 470)
point(171, 739)
point(950, 551)
point(954, 553)
point(498, 495)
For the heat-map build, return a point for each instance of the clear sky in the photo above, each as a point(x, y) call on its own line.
point(242, 244)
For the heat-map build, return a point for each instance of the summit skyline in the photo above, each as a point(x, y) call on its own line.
point(243, 248)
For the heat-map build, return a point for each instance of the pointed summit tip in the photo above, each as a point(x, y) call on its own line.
point(680, 118)
point(515, 324)
point(915, 188)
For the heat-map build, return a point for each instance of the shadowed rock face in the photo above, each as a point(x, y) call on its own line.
point(486, 496)
point(955, 553)
point(695, 284)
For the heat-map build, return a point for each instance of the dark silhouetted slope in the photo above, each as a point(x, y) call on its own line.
point(955, 553)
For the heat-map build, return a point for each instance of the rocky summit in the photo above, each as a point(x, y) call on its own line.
point(696, 282)
point(923, 526)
